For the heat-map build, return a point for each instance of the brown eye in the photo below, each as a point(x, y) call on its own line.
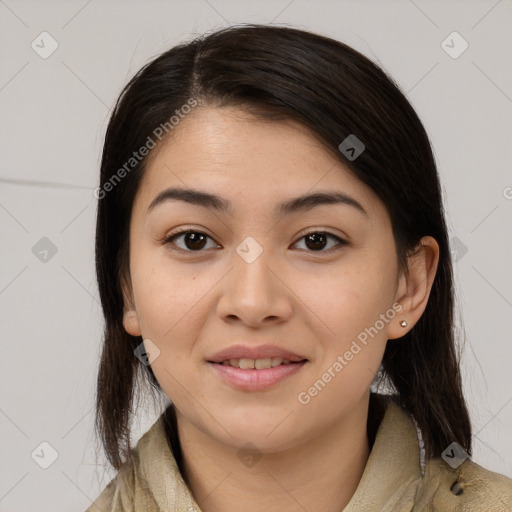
point(317, 241)
point(191, 241)
point(195, 241)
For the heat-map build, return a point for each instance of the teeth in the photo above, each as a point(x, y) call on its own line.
point(258, 364)
point(262, 364)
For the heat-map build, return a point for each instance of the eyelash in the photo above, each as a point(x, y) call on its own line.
point(184, 231)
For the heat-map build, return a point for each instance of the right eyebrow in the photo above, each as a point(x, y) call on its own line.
point(192, 196)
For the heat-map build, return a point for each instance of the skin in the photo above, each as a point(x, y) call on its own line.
point(315, 303)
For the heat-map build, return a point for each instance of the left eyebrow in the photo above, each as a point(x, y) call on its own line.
point(289, 207)
point(309, 201)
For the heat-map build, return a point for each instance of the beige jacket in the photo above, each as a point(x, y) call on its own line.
point(395, 479)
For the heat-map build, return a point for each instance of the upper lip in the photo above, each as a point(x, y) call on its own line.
point(251, 352)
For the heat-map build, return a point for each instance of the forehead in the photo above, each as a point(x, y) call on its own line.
point(231, 154)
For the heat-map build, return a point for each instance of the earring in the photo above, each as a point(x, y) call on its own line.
point(403, 323)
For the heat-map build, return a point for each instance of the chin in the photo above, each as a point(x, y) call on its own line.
point(266, 431)
point(258, 440)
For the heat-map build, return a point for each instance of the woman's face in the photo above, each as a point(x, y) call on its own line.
point(251, 286)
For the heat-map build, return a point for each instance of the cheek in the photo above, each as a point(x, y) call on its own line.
point(356, 309)
point(355, 306)
point(351, 300)
point(165, 297)
point(171, 308)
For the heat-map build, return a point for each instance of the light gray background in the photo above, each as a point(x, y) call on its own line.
point(53, 118)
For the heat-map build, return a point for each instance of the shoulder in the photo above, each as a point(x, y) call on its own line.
point(469, 487)
point(123, 492)
point(116, 496)
point(149, 480)
point(466, 487)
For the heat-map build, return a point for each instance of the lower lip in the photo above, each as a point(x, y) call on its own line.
point(256, 380)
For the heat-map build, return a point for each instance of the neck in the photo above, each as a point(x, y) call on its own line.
point(319, 474)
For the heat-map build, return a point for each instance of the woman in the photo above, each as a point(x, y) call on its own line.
point(271, 251)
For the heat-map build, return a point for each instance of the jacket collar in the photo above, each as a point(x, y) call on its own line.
point(395, 467)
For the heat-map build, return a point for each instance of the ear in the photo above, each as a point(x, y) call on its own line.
point(130, 319)
point(414, 289)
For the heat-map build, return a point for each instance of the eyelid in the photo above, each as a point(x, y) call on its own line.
point(190, 229)
point(319, 229)
point(183, 230)
point(342, 242)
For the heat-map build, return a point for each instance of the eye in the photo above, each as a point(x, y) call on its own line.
point(192, 240)
point(317, 241)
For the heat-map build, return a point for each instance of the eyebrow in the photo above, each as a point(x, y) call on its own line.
point(221, 205)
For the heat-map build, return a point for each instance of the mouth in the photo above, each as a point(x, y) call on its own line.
point(258, 364)
point(255, 369)
point(267, 355)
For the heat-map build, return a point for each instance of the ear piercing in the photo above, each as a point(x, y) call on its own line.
point(403, 323)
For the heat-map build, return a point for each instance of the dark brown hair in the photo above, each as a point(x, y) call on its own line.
point(286, 73)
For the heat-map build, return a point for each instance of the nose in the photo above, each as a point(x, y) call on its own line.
point(255, 293)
